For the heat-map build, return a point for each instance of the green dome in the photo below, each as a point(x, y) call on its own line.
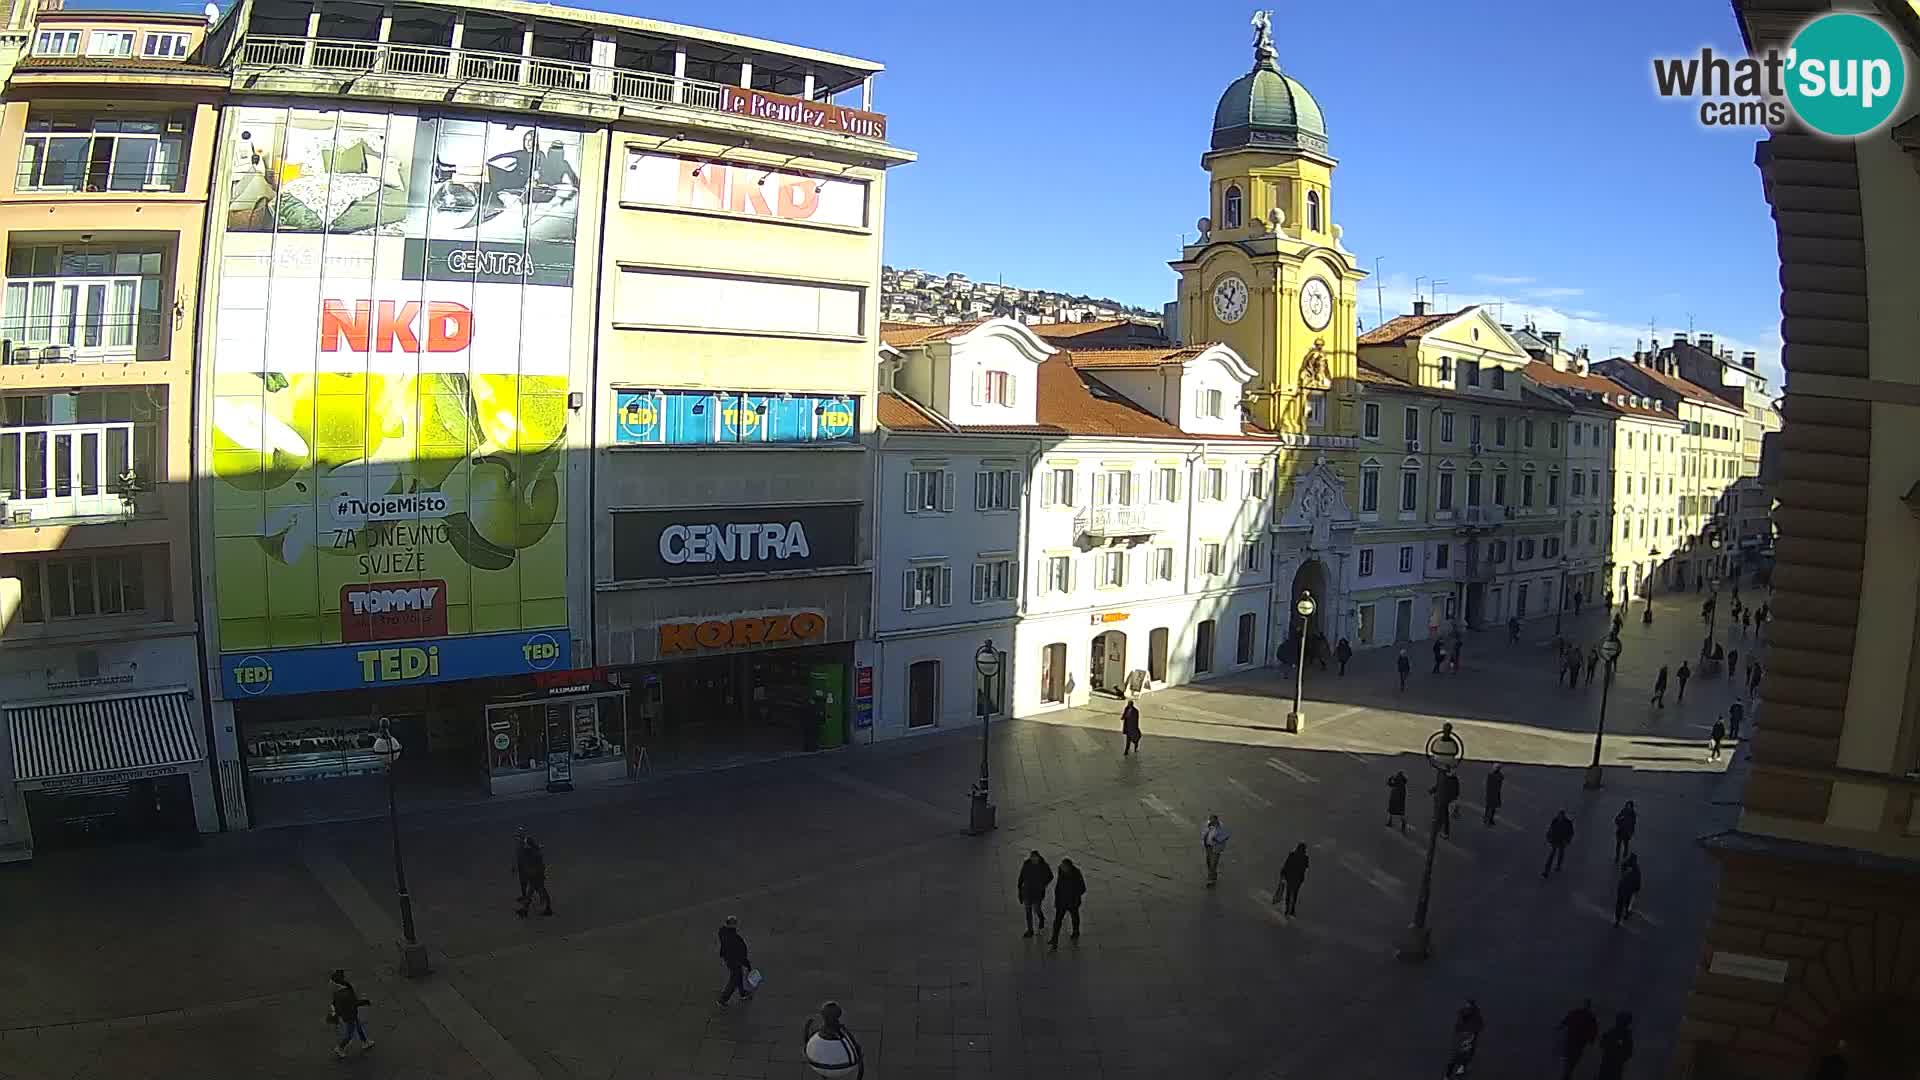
point(1267, 109)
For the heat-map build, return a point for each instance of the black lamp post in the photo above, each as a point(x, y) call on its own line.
point(1305, 606)
point(1560, 607)
point(1610, 653)
point(1445, 751)
point(1713, 598)
point(413, 955)
point(981, 814)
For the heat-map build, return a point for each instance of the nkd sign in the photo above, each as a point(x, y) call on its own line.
point(733, 540)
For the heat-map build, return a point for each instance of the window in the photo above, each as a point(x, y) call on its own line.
point(1522, 550)
point(993, 388)
point(77, 446)
point(1473, 489)
point(1212, 404)
point(1526, 432)
point(675, 298)
point(1231, 211)
point(1112, 487)
point(1210, 559)
point(928, 585)
point(1553, 489)
point(1313, 211)
point(1053, 673)
point(1499, 431)
point(1406, 558)
point(1366, 562)
point(1593, 481)
point(1550, 547)
point(993, 579)
point(929, 491)
point(923, 693)
point(1056, 574)
point(1316, 409)
point(1497, 551)
point(1165, 483)
point(1446, 368)
point(1593, 531)
point(57, 43)
point(1213, 484)
point(1254, 556)
point(1370, 417)
point(1056, 487)
point(1445, 501)
point(995, 489)
point(1626, 529)
point(1473, 430)
point(1577, 430)
point(80, 588)
point(1470, 372)
point(1253, 482)
point(1446, 427)
point(1160, 564)
point(1409, 490)
point(1553, 435)
point(1203, 647)
point(1499, 489)
point(1113, 570)
point(164, 46)
point(110, 43)
point(1243, 645)
point(1442, 556)
point(1369, 489)
point(1499, 378)
point(1410, 423)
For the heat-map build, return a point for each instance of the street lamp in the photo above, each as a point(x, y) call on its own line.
point(1445, 751)
point(1560, 607)
point(1296, 720)
point(1610, 652)
point(1713, 598)
point(413, 955)
point(986, 661)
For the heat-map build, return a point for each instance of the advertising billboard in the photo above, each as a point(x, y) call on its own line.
point(733, 540)
point(389, 388)
point(722, 417)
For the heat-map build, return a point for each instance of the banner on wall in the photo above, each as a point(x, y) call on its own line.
point(390, 381)
point(708, 417)
point(752, 191)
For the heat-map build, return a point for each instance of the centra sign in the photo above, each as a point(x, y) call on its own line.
point(785, 628)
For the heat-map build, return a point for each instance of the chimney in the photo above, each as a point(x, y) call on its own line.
point(1748, 359)
point(1706, 344)
point(1419, 307)
point(1552, 338)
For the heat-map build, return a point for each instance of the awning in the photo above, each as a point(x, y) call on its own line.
point(103, 735)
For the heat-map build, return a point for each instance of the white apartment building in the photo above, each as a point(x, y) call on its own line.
point(1128, 549)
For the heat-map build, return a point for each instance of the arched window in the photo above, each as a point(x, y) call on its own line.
point(1313, 211)
point(1230, 207)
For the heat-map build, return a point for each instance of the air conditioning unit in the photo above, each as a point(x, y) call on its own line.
point(1413, 446)
point(1473, 448)
point(1510, 512)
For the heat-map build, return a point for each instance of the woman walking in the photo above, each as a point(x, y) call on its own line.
point(1130, 727)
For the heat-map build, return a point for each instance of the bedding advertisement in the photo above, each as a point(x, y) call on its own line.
point(389, 411)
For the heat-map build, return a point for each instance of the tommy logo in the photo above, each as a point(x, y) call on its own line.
point(392, 610)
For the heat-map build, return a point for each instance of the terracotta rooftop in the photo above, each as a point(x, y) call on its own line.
point(1134, 358)
point(896, 412)
point(1373, 376)
point(1401, 327)
point(124, 65)
point(1689, 390)
point(1066, 331)
point(907, 335)
point(1610, 392)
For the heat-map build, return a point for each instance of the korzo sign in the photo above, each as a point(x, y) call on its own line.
point(733, 540)
point(799, 111)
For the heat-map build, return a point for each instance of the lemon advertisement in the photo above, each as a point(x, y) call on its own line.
point(389, 409)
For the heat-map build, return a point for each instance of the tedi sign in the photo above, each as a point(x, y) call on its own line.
point(697, 542)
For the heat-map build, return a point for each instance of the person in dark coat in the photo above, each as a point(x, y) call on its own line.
point(1406, 668)
point(1317, 647)
point(1736, 712)
point(733, 953)
point(1624, 823)
point(1593, 662)
point(1496, 783)
point(1035, 876)
point(1293, 873)
point(1646, 616)
point(1068, 889)
point(1616, 1048)
point(343, 1008)
point(1579, 599)
point(1746, 622)
point(1754, 671)
point(1626, 889)
point(1513, 629)
point(1577, 1030)
point(1448, 786)
point(530, 866)
point(1684, 674)
point(1454, 654)
point(1130, 727)
point(1397, 800)
point(1559, 835)
point(1343, 653)
point(1714, 738)
point(1659, 697)
point(1439, 654)
point(1733, 663)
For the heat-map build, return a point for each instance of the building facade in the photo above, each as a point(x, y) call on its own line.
point(111, 119)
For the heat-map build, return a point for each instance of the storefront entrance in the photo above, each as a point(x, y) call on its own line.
point(99, 811)
point(690, 713)
point(1107, 670)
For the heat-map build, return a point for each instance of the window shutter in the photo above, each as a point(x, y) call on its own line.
point(979, 582)
point(1073, 572)
point(906, 592)
point(913, 504)
point(1012, 393)
point(981, 483)
point(1099, 489)
point(946, 585)
point(979, 387)
point(946, 492)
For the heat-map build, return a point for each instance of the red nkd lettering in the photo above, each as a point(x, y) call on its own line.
point(390, 326)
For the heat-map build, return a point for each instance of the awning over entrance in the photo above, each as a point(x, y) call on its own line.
point(103, 735)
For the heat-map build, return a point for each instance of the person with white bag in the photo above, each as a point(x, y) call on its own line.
point(733, 952)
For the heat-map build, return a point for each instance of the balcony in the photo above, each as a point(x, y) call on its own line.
point(67, 472)
point(1482, 517)
point(83, 319)
point(542, 75)
point(1119, 522)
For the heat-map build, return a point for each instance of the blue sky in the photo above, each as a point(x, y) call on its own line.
point(1516, 149)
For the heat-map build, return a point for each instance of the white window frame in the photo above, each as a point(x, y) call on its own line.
point(995, 579)
point(1366, 562)
point(112, 44)
point(928, 583)
point(996, 490)
point(1160, 565)
point(1406, 558)
point(36, 578)
point(1254, 555)
point(1212, 404)
point(1057, 486)
point(1446, 427)
point(929, 490)
point(1316, 409)
point(994, 387)
point(1112, 569)
point(1056, 575)
point(1253, 482)
point(1410, 423)
point(1370, 489)
point(1370, 420)
point(1213, 484)
point(1212, 558)
point(1165, 483)
point(163, 46)
point(57, 43)
point(1409, 490)
point(1113, 487)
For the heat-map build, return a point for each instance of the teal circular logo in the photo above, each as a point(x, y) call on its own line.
point(1845, 74)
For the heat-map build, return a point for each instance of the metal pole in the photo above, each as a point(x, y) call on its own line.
point(1419, 942)
point(399, 866)
point(1600, 729)
point(1300, 673)
point(985, 727)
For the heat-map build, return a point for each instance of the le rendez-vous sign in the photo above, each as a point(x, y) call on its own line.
point(792, 110)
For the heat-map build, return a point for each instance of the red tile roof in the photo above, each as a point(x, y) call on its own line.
point(1610, 391)
point(1134, 358)
point(896, 412)
point(1401, 327)
point(1690, 390)
point(907, 335)
point(1066, 331)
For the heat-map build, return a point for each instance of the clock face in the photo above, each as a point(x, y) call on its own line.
point(1316, 303)
point(1230, 299)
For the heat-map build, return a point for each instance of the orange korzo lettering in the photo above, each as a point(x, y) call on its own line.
point(676, 637)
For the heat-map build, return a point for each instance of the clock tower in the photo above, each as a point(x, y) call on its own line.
point(1268, 276)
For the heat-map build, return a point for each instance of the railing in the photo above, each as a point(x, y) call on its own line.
point(1119, 521)
point(63, 471)
point(111, 339)
point(81, 177)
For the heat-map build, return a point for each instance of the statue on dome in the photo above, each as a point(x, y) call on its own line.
point(1263, 37)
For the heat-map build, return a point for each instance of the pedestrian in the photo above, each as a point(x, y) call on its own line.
point(1627, 888)
point(1572, 667)
point(1733, 663)
point(1397, 800)
point(1609, 600)
point(1214, 839)
point(1746, 622)
point(1343, 653)
point(1035, 876)
point(1559, 835)
point(1624, 823)
point(1318, 644)
point(733, 953)
point(1513, 629)
point(1579, 598)
point(1765, 613)
point(1130, 727)
point(1646, 614)
point(343, 1008)
point(1068, 888)
point(1593, 661)
point(1616, 1048)
point(530, 866)
point(1684, 673)
point(1453, 655)
point(1577, 1029)
point(1660, 688)
point(1293, 873)
point(1448, 787)
point(1754, 671)
point(1714, 739)
point(1439, 654)
point(1496, 782)
point(1405, 666)
point(1736, 712)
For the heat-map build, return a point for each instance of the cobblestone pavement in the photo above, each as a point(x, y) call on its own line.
point(853, 880)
